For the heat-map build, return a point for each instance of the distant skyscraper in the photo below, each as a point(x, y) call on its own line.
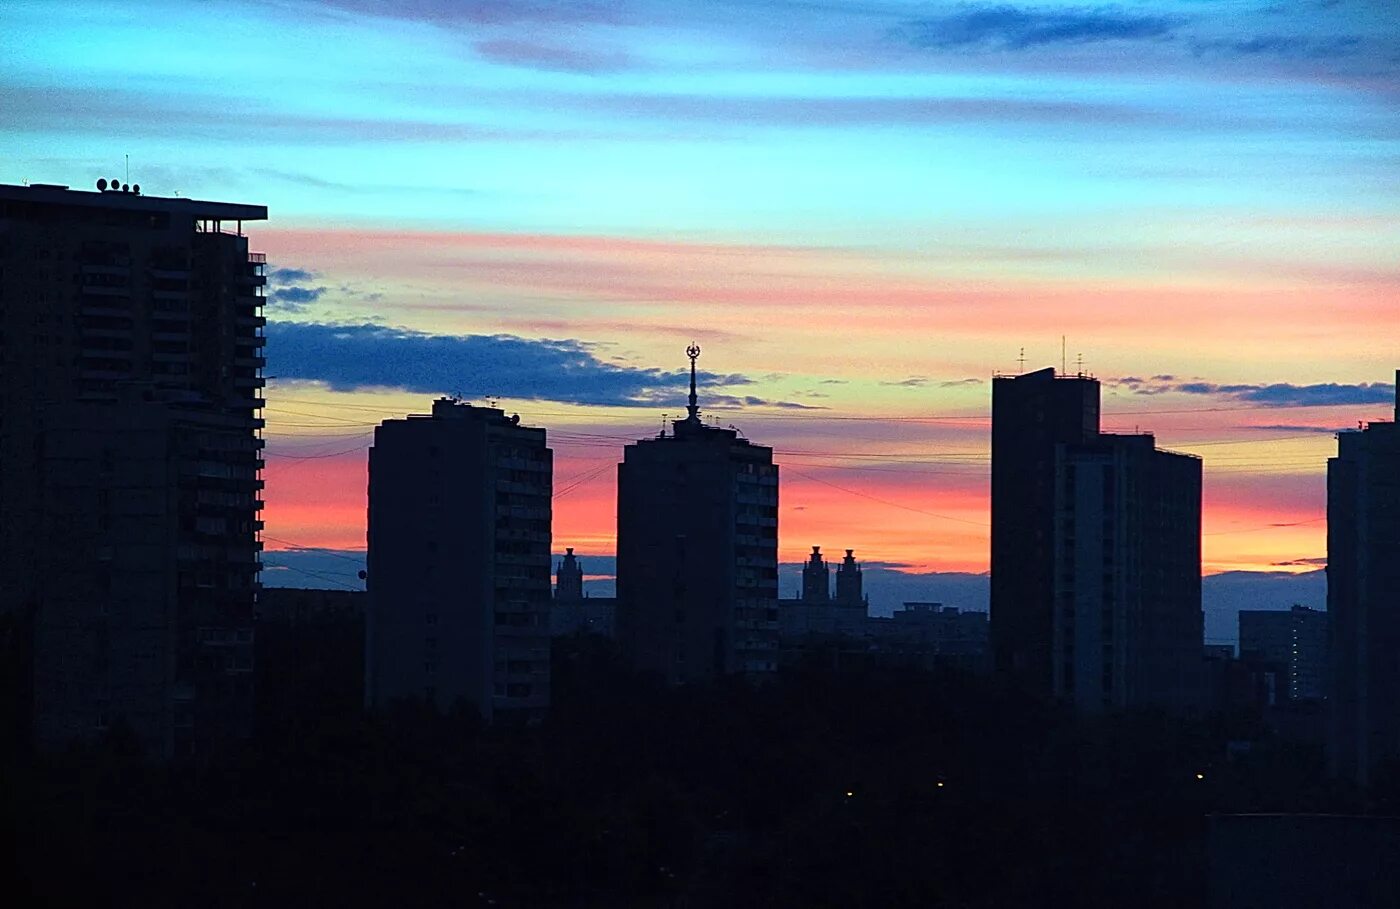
point(816, 578)
point(697, 551)
point(850, 588)
point(130, 389)
point(1095, 551)
point(1295, 641)
point(459, 553)
point(1363, 596)
point(574, 611)
point(1031, 415)
point(1127, 627)
point(570, 578)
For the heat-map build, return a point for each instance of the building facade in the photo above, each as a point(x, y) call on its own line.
point(458, 562)
point(1363, 596)
point(1031, 415)
point(131, 356)
point(1096, 568)
point(1127, 627)
point(697, 551)
point(1295, 641)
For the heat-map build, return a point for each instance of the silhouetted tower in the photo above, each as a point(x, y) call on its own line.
point(816, 578)
point(697, 551)
point(1363, 596)
point(1031, 415)
point(570, 578)
point(459, 555)
point(849, 584)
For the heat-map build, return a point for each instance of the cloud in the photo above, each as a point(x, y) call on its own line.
point(299, 294)
point(350, 357)
point(1018, 28)
point(956, 383)
point(911, 382)
point(1287, 47)
point(1312, 563)
point(1278, 394)
point(289, 275)
point(1295, 427)
point(288, 293)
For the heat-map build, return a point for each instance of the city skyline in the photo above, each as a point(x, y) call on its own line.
point(862, 221)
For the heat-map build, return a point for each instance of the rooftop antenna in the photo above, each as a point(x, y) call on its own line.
point(693, 351)
point(1080, 367)
point(1064, 369)
point(128, 168)
point(663, 425)
point(1022, 361)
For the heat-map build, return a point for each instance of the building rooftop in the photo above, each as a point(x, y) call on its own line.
point(133, 200)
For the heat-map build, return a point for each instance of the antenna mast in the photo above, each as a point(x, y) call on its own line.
point(1064, 360)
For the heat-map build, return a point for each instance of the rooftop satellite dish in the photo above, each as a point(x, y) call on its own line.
point(101, 184)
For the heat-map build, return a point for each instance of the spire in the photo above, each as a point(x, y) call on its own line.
point(693, 351)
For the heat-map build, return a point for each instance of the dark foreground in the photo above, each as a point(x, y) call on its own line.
point(878, 788)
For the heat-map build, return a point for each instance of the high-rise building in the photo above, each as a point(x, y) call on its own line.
point(1294, 642)
point(458, 562)
point(574, 611)
point(570, 577)
point(130, 389)
point(850, 587)
point(1127, 627)
point(697, 551)
point(816, 578)
point(1363, 596)
point(1031, 415)
point(1096, 595)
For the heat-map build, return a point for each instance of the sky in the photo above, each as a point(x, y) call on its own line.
point(861, 211)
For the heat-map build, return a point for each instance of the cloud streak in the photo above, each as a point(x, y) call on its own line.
point(1277, 394)
point(1019, 28)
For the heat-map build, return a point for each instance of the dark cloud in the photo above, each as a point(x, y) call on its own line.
point(297, 296)
point(1018, 28)
point(349, 357)
point(1287, 47)
point(1294, 427)
point(1278, 394)
point(287, 292)
point(289, 275)
point(911, 382)
point(1312, 563)
point(955, 383)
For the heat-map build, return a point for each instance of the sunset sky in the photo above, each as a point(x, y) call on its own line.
point(861, 211)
